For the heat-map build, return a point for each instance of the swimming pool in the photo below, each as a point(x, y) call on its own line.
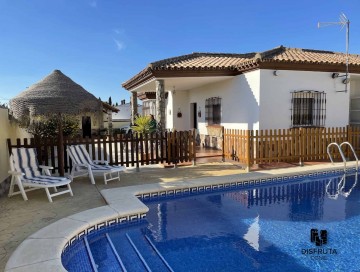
point(305, 224)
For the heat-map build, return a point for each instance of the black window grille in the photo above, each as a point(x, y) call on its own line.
point(308, 109)
point(213, 111)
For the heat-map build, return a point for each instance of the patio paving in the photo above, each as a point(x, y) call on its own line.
point(19, 219)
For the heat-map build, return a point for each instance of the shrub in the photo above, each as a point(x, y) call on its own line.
point(142, 125)
point(47, 127)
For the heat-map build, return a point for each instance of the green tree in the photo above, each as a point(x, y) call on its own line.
point(110, 101)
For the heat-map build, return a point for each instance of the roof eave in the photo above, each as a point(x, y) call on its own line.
point(307, 66)
point(178, 72)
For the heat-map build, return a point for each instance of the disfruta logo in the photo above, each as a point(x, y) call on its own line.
point(318, 238)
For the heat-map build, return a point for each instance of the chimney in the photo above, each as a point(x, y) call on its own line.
point(123, 102)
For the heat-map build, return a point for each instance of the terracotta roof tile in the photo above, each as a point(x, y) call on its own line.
point(311, 56)
point(201, 61)
point(241, 62)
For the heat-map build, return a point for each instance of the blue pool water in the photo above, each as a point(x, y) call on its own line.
point(264, 228)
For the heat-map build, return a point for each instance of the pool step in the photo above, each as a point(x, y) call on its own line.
point(148, 251)
point(91, 257)
point(137, 252)
point(126, 252)
point(115, 253)
point(102, 255)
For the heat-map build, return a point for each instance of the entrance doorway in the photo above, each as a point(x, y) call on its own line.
point(86, 126)
point(193, 115)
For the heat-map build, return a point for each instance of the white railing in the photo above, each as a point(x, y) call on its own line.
point(342, 154)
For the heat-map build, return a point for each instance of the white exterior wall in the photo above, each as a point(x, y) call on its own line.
point(275, 97)
point(180, 102)
point(260, 100)
point(12, 131)
point(239, 104)
point(169, 111)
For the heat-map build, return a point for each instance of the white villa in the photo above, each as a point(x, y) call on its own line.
point(121, 117)
point(276, 89)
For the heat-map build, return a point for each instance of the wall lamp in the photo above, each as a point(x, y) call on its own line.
point(345, 81)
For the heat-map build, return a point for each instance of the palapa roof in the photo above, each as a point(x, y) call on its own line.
point(56, 93)
point(221, 64)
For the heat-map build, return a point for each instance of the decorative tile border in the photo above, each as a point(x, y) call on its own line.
point(238, 184)
point(102, 225)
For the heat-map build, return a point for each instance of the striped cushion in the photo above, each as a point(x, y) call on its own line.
point(81, 156)
point(45, 180)
point(24, 161)
point(104, 167)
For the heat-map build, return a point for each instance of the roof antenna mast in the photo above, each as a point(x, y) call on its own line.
point(344, 21)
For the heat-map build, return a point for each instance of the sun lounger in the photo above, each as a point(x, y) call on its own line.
point(25, 173)
point(84, 165)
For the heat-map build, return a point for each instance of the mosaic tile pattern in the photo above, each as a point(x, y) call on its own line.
point(102, 225)
point(236, 184)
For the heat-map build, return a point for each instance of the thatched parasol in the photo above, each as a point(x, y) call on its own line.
point(55, 94)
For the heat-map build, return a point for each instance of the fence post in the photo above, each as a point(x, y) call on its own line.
point(193, 144)
point(301, 146)
point(137, 151)
point(349, 139)
point(60, 147)
point(223, 144)
point(247, 169)
point(175, 147)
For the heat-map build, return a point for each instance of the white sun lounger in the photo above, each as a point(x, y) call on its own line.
point(25, 172)
point(84, 165)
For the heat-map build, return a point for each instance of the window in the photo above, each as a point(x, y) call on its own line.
point(308, 109)
point(148, 107)
point(213, 111)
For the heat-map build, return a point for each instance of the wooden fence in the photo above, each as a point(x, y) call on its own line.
point(287, 145)
point(124, 149)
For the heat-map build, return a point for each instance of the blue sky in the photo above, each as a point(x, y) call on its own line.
point(102, 43)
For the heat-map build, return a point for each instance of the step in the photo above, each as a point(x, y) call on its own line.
point(104, 259)
point(148, 251)
point(78, 251)
point(126, 252)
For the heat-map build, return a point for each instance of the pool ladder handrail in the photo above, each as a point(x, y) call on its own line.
point(340, 187)
point(346, 194)
point(354, 153)
point(342, 154)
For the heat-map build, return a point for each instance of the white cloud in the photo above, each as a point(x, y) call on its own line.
point(119, 44)
point(93, 4)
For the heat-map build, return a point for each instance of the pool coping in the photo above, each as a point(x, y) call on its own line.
point(124, 205)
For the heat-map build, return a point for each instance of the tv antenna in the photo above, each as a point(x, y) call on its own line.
point(344, 21)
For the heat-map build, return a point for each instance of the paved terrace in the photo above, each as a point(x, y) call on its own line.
point(19, 219)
